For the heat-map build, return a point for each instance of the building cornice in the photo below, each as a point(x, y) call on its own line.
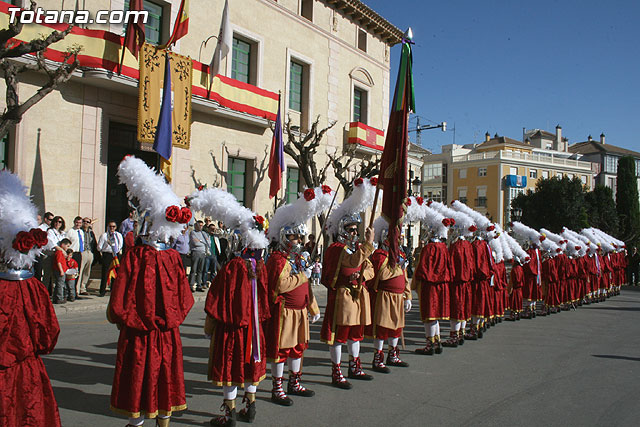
point(369, 19)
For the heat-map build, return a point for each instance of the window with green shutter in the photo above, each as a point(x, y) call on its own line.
point(4, 152)
point(295, 86)
point(241, 66)
point(236, 175)
point(153, 27)
point(293, 184)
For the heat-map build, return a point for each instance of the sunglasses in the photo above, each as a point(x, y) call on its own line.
point(352, 230)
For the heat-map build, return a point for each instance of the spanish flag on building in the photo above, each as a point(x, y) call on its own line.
point(181, 27)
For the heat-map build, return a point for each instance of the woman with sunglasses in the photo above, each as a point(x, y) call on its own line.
point(55, 233)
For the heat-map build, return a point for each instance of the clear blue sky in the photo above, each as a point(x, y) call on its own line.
point(499, 66)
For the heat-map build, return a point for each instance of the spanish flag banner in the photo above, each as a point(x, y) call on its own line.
point(181, 27)
point(152, 71)
point(113, 270)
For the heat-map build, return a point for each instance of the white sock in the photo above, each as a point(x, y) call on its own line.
point(393, 342)
point(378, 344)
point(463, 325)
point(136, 421)
point(354, 348)
point(437, 328)
point(430, 328)
point(229, 392)
point(336, 353)
point(295, 364)
point(277, 369)
point(456, 326)
point(164, 417)
point(250, 388)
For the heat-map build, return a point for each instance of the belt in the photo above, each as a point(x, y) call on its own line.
point(14, 275)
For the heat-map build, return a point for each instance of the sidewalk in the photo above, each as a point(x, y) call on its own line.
point(93, 302)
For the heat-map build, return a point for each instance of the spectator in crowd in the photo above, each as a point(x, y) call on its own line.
point(311, 244)
point(200, 248)
point(59, 273)
point(211, 264)
point(127, 224)
point(130, 237)
point(181, 245)
point(71, 277)
point(38, 266)
point(316, 271)
point(89, 247)
point(55, 234)
point(76, 236)
point(110, 246)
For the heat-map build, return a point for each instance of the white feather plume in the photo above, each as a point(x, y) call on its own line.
point(360, 199)
point(515, 248)
point(380, 225)
point(496, 248)
point(525, 233)
point(434, 219)
point(299, 212)
point(154, 196)
point(463, 220)
point(17, 214)
point(223, 206)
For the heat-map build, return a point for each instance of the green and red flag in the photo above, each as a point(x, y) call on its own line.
point(393, 165)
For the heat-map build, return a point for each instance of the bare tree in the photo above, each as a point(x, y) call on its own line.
point(10, 50)
point(343, 163)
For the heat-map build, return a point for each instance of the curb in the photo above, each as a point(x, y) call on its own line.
point(93, 304)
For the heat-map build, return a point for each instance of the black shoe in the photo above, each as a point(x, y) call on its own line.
point(248, 414)
point(428, 350)
point(60, 302)
point(344, 385)
point(71, 299)
point(227, 420)
point(101, 294)
point(438, 347)
point(480, 333)
point(202, 290)
point(361, 376)
point(283, 401)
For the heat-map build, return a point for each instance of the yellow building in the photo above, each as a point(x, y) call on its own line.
point(488, 176)
point(328, 59)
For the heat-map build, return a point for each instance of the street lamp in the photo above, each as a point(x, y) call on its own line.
point(419, 128)
point(516, 214)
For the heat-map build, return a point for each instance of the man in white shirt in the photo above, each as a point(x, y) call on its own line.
point(110, 246)
point(76, 235)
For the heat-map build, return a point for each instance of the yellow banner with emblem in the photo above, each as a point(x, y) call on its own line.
point(152, 65)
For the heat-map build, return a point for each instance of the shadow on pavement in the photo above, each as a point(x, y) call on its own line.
point(617, 308)
point(611, 356)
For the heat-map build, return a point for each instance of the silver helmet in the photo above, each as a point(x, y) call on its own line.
point(348, 239)
point(284, 242)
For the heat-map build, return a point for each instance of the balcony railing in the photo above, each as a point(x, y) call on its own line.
point(545, 159)
point(481, 202)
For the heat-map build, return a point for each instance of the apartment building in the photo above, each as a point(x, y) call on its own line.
point(605, 157)
point(488, 176)
point(328, 59)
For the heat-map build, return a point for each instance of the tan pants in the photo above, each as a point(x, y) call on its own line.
point(85, 271)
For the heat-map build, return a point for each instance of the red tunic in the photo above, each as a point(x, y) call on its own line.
point(431, 279)
point(480, 288)
point(500, 288)
point(150, 299)
point(297, 299)
point(462, 274)
point(517, 282)
point(550, 277)
point(532, 282)
point(348, 310)
point(230, 306)
point(28, 328)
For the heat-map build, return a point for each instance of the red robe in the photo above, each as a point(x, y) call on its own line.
point(532, 285)
point(500, 288)
point(150, 299)
point(28, 328)
point(550, 277)
point(517, 282)
point(431, 279)
point(230, 321)
point(462, 273)
point(482, 281)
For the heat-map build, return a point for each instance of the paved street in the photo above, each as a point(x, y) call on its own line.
point(574, 368)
